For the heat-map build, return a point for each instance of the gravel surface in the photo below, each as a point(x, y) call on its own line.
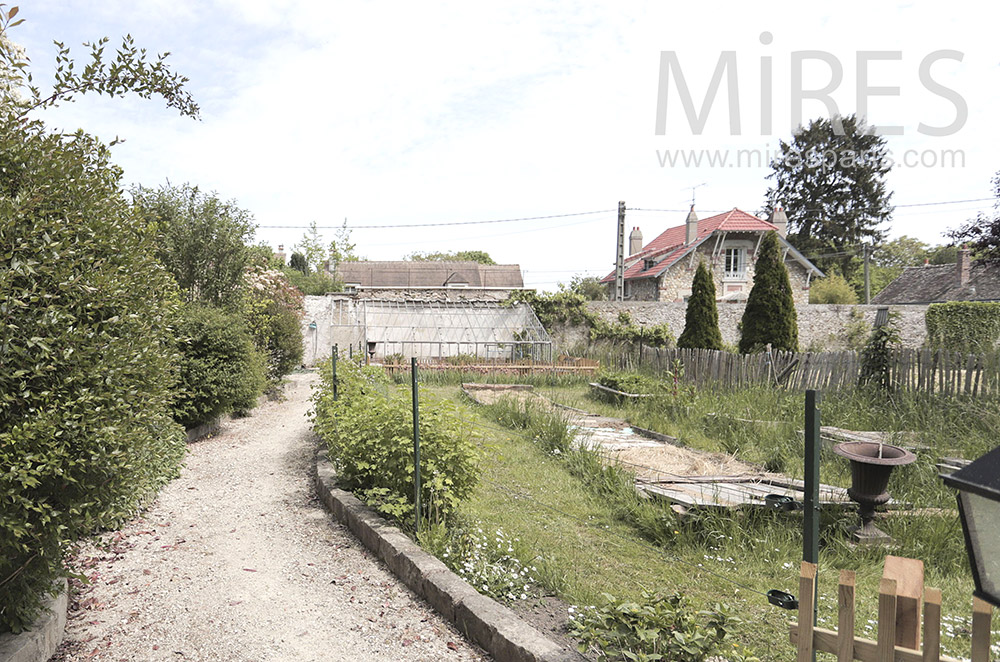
point(237, 560)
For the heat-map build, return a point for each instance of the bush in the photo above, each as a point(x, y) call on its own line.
point(963, 326)
point(769, 317)
point(220, 369)
point(369, 432)
point(658, 627)
point(701, 319)
point(832, 289)
point(314, 284)
point(85, 390)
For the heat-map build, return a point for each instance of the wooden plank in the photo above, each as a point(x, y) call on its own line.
point(932, 625)
point(886, 620)
point(982, 614)
point(865, 650)
point(845, 616)
point(807, 593)
point(909, 577)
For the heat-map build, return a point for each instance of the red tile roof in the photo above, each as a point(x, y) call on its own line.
point(670, 247)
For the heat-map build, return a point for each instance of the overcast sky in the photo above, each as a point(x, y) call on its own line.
point(405, 113)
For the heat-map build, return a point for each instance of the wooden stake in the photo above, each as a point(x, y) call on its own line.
point(807, 592)
point(886, 620)
point(982, 614)
point(932, 625)
point(845, 617)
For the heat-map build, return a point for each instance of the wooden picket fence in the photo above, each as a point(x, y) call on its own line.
point(905, 611)
point(926, 370)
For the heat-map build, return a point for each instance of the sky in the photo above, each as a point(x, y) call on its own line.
point(459, 114)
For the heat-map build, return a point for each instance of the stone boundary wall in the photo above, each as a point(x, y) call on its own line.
point(821, 326)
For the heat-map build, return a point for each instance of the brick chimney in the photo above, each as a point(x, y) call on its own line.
point(280, 255)
point(635, 241)
point(692, 227)
point(779, 220)
point(964, 266)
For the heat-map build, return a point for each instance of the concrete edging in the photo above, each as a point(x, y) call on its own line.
point(40, 642)
point(484, 621)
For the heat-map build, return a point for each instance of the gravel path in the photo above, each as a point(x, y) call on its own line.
point(237, 560)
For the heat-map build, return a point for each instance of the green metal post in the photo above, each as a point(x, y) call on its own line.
point(334, 365)
point(810, 520)
point(416, 445)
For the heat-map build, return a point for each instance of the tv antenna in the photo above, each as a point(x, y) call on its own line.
point(693, 189)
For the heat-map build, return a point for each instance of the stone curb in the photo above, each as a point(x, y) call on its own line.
point(40, 642)
point(484, 621)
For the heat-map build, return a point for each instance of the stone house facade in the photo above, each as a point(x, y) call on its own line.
point(663, 269)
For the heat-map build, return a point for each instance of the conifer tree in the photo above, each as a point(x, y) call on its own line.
point(701, 320)
point(770, 313)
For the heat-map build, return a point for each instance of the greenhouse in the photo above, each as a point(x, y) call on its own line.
point(430, 330)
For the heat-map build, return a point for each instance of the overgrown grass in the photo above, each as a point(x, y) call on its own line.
point(581, 525)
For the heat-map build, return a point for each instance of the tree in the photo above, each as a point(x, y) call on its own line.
point(202, 240)
point(701, 319)
point(299, 262)
point(832, 289)
point(588, 287)
point(832, 185)
point(482, 257)
point(769, 317)
point(982, 233)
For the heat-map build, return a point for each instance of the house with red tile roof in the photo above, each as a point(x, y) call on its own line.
point(663, 269)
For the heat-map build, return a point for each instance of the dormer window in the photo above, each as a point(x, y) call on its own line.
point(648, 264)
point(736, 263)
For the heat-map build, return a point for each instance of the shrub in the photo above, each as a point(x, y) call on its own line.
point(876, 359)
point(963, 326)
point(769, 317)
point(701, 319)
point(656, 627)
point(220, 369)
point(369, 432)
point(832, 289)
point(273, 311)
point(85, 429)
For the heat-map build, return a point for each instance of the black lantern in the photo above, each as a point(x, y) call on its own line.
point(978, 488)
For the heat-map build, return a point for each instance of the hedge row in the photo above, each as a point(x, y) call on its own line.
point(964, 326)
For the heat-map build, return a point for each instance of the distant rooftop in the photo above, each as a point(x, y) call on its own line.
point(405, 273)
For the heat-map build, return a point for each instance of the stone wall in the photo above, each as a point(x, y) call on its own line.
point(821, 326)
point(434, 293)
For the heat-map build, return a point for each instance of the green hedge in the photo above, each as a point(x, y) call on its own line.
point(963, 326)
point(369, 432)
point(87, 353)
point(220, 369)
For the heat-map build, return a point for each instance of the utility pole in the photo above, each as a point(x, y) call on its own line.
point(620, 255)
point(868, 285)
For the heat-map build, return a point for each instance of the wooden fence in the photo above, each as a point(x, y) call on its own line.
point(931, 371)
point(906, 610)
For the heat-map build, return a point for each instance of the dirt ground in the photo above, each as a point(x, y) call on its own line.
point(237, 560)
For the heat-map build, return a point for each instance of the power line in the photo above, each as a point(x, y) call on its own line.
point(435, 225)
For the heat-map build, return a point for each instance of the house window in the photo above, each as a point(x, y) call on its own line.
point(648, 264)
point(736, 263)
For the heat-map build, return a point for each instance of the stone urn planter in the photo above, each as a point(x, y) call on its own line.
point(871, 465)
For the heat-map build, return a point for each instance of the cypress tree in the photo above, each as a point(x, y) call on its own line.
point(701, 320)
point(770, 313)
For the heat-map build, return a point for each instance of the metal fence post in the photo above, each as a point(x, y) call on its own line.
point(810, 520)
point(416, 445)
point(334, 367)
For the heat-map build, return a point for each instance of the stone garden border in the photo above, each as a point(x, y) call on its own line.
point(484, 621)
point(40, 642)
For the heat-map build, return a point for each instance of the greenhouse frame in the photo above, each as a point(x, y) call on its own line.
point(430, 330)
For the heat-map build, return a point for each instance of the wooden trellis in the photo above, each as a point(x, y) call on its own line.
point(899, 620)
